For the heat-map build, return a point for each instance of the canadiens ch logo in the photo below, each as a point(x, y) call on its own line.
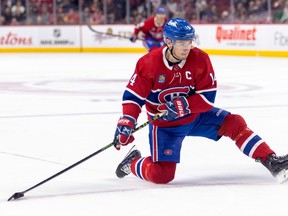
point(168, 152)
point(175, 92)
point(161, 78)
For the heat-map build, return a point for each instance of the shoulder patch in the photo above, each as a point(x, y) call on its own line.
point(161, 78)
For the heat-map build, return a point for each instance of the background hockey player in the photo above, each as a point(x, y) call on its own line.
point(151, 30)
point(179, 79)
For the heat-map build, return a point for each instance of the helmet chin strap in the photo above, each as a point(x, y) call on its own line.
point(171, 52)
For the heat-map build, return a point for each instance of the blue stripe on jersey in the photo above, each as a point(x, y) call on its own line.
point(251, 144)
point(138, 168)
point(153, 97)
point(210, 95)
point(128, 96)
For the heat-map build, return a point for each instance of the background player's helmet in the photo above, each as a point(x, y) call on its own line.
point(160, 10)
point(178, 29)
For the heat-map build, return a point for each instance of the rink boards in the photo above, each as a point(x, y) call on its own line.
point(221, 39)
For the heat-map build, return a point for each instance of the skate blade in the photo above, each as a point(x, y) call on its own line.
point(282, 177)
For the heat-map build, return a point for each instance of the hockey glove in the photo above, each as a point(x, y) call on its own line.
point(123, 134)
point(133, 38)
point(177, 108)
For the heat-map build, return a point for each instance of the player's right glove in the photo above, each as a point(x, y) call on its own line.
point(133, 38)
point(177, 108)
point(123, 134)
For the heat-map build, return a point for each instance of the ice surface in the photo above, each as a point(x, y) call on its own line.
point(57, 109)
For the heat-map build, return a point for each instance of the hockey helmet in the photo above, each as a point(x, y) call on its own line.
point(178, 29)
point(160, 10)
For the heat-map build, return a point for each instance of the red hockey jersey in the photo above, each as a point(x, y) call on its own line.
point(149, 28)
point(155, 82)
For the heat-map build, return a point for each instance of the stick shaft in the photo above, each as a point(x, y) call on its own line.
point(89, 156)
point(114, 35)
point(70, 167)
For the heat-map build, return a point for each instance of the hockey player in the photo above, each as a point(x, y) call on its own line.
point(179, 79)
point(152, 30)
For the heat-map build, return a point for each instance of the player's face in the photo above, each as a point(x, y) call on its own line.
point(182, 48)
point(160, 18)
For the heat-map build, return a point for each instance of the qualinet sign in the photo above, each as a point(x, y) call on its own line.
point(235, 33)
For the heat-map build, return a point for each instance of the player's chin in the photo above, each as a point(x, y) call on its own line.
point(183, 56)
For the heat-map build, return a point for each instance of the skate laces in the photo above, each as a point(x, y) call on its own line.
point(273, 159)
point(282, 158)
point(126, 168)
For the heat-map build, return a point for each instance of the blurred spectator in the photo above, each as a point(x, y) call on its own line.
point(277, 10)
point(5, 3)
point(156, 3)
point(133, 4)
point(60, 15)
point(7, 15)
point(67, 12)
point(208, 13)
point(18, 6)
point(135, 17)
point(120, 9)
point(138, 18)
point(251, 7)
point(14, 22)
point(171, 6)
point(18, 12)
point(44, 17)
point(189, 11)
point(67, 5)
point(41, 12)
point(71, 17)
point(201, 7)
point(110, 12)
point(139, 13)
point(2, 20)
point(97, 17)
point(284, 18)
point(175, 8)
point(252, 11)
point(86, 15)
point(94, 5)
point(225, 17)
point(213, 14)
point(240, 13)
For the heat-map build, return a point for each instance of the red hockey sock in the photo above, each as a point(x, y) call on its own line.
point(235, 127)
point(156, 172)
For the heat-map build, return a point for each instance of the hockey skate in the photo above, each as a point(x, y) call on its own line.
point(124, 168)
point(278, 166)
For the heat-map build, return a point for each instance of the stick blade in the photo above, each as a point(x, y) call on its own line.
point(16, 196)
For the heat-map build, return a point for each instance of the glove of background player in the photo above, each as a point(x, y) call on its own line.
point(123, 134)
point(177, 108)
point(133, 38)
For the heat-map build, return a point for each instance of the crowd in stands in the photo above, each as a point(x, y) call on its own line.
point(67, 12)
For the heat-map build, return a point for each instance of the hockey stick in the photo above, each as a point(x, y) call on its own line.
point(18, 195)
point(110, 34)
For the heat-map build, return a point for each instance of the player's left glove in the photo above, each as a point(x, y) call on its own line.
point(133, 38)
point(123, 134)
point(177, 108)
